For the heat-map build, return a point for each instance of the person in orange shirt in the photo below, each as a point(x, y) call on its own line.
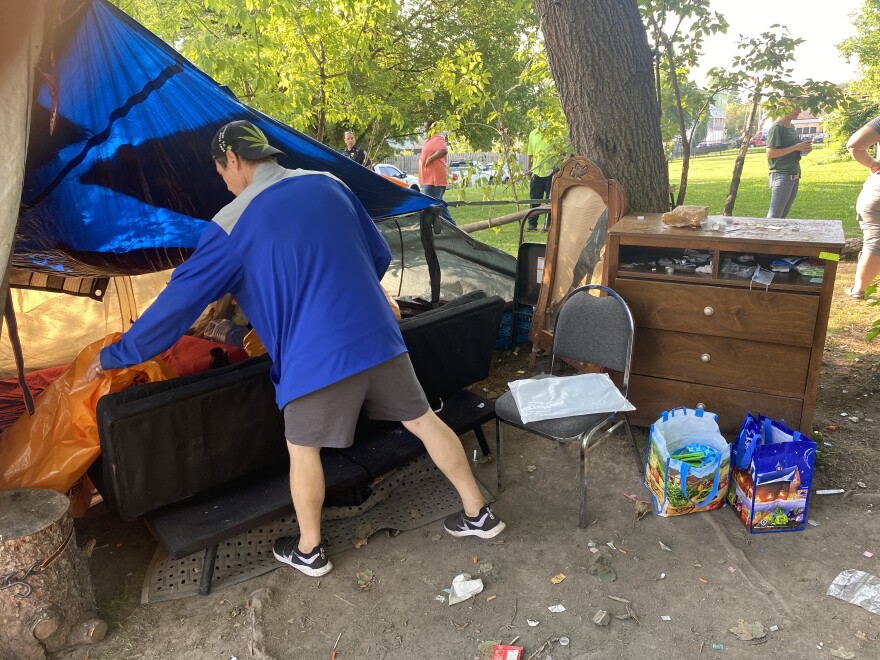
point(433, 171)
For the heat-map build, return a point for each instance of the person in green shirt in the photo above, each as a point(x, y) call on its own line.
point(784, 150)
point(540, 169)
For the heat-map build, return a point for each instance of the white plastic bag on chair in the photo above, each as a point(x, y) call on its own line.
point(567, 396)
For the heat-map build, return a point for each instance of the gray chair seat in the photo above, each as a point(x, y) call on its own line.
point(560, 429)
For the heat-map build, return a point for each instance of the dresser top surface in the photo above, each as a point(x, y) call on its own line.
point(816, 233)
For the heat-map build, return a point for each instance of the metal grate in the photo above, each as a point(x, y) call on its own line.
point(421, 495)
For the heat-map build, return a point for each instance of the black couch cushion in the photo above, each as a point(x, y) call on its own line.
point(165, 442)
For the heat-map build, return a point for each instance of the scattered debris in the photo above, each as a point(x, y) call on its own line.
point(702, 580)
point(556, 579)
point(830, 491)
point(662, 576)
point(440, 598)
point(564, 641)
point(664, 546)
point(642, 509)
point(718, 647)
point(665, 617)
point(748, 631)
point(487, 646)
point(541, 648)
point(867, 554)
point(601, 618)
point(506, 652)
point(89, 547)
point(532, 622)
point(861, 484)
point(463, 588)
point(485, 568)
point(618, 599)
point(362, 535)
point(365, 579)
point(491, 598)
point(611, 545)
point(476, 559)
point(531, 468)
point(556, 609)
point(594, 550)
point(774, 628)
point(602, 568)
point(841, 652)
point(812, 522)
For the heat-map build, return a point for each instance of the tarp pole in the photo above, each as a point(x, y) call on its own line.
point(429, 224)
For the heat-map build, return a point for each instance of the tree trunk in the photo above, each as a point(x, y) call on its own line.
point(599, 56)
point(741, 157)
point(46, 598)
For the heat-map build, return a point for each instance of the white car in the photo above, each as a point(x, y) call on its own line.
point(470, 173)
point(392, 172)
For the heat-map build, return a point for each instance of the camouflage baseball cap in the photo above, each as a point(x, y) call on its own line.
point(243, 139)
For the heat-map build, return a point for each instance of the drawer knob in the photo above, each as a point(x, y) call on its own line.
point(705, 357)
point(708, 311)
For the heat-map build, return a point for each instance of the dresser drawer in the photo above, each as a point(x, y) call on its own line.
point(784, 318)
point(721, 361)
point(651, 396)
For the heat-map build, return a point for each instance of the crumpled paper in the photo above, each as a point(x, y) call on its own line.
point(463, 587)
point(858, 588)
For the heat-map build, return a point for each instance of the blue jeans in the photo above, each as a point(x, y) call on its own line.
point(783, 190)
point(437, 193)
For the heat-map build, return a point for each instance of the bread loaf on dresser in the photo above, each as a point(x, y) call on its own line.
point(686, 216)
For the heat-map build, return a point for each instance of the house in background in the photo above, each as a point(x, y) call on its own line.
point(717, 127)
point(807, 125)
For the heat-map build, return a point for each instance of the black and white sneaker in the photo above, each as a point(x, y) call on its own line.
point(485, 525)
point(314, 564)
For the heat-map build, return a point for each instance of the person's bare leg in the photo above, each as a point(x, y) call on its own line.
point(446, 451)
point(867, 271)
point(307, 491)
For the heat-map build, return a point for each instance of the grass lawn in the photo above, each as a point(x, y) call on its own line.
point(828, 191)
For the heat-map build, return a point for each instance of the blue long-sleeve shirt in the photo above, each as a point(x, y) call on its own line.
point(304, 260)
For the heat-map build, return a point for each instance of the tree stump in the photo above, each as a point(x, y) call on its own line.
point(46, 598)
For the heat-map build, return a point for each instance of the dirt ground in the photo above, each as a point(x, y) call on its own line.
point(714, 574)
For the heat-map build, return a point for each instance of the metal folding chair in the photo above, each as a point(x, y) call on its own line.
point(590, 329)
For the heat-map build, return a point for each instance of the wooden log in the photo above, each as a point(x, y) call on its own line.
point(46, 599)
point(494, 222)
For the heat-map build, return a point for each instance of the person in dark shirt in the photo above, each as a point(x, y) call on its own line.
point(354, 152)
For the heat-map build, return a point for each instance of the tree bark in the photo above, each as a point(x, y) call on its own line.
point(741, 156)
point(46, 598)
point(599, 56)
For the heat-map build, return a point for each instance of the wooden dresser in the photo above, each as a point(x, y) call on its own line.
point(716, 338)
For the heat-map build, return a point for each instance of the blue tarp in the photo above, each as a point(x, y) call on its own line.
point(125, 182)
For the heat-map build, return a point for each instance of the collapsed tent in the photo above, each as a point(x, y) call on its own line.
point(115, 127)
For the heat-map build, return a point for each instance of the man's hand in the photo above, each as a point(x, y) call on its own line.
point(94, 369)
point(805, 147)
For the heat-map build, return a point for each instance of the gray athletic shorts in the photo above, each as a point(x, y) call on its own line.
point(868, 213)
point(327, 417)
